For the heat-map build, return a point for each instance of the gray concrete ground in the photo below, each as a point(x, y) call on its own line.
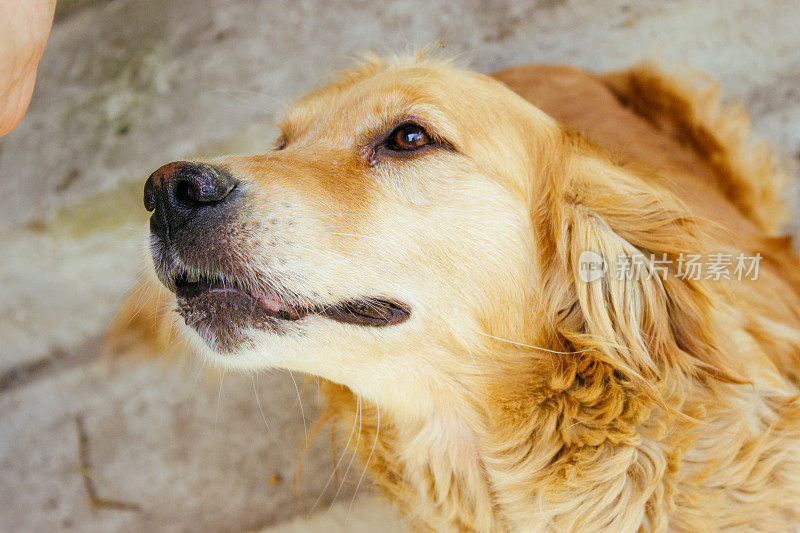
point(127, 85)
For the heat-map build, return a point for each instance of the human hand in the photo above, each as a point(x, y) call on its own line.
point(24, 27)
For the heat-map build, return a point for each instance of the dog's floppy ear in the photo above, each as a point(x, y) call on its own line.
point(145, 324)
point(611, 243)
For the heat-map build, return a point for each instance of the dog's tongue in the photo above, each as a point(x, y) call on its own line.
point(274, 305)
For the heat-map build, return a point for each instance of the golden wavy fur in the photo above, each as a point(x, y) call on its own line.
point(519, 397)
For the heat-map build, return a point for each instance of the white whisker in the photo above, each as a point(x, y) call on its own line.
point(530, 346)
point(360, 414)
point(369, 458)
point(341, 457)
point(355, 235)
point(300, 401)
point(253, 380)
point(219, 399)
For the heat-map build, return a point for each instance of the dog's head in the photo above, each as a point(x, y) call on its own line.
point(410, 211)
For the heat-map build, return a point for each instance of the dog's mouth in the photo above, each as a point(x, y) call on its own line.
point(218, 309)
point(191, 290)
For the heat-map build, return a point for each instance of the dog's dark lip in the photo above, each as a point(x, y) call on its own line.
point(371, 312)
point(375, 312)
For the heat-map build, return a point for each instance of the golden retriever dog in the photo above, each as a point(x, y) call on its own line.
point(490, 277)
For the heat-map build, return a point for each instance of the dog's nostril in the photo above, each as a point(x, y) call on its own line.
point(186, 193)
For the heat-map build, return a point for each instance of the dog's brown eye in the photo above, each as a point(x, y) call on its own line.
point(408, 137)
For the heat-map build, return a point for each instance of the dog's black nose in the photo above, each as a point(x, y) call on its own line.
point(181, 191)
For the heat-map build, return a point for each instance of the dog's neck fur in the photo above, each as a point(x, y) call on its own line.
point(554, 446)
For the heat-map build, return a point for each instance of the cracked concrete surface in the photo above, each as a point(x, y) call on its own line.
point(127, 85)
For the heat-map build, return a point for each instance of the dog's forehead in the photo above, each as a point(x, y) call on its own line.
point(384, 91)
